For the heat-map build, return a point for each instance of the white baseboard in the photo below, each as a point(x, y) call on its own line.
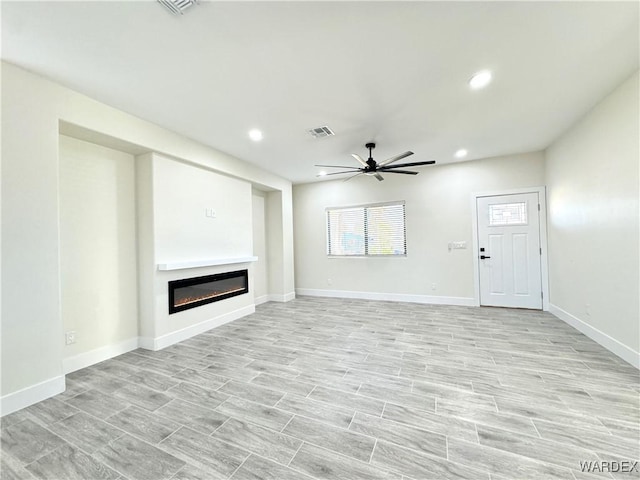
point(146, 343)
point(261, 299)
point(28, 396)
point(36, 393)
point(164, 341)
point(614, 346)
point(98, 355)
point(287, 297)
point(388, 297)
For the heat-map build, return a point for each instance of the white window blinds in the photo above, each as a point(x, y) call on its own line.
point(369, 230)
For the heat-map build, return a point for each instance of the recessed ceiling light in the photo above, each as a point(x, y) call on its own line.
point(480, 79)
point(255, 135)
point(461, 153)
point(322, 173)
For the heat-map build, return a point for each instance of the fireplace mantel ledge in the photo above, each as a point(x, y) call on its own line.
point(205, 263)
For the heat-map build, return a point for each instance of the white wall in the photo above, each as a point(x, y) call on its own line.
point(592, 179)
point(32, 111)
point(145, 230)
point(274, 242)
point(261, 267)
point(99, 293)
point(181, 194)
point(438, 211)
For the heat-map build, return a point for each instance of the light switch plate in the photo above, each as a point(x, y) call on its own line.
point(70, 337)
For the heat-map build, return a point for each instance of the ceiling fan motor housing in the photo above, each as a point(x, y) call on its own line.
point(371, 162)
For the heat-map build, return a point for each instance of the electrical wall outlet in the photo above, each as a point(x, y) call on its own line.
point(70, 337)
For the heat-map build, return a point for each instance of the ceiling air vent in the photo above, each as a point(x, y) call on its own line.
point(321, 132)
point(177, 7)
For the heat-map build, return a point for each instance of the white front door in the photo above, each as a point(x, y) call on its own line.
point(509, 250)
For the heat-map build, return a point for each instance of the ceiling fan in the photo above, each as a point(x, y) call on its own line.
point(373, 168)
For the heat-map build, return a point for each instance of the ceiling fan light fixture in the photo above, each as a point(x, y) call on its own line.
point(480, 79)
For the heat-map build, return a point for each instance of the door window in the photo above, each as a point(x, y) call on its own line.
point(501, 214)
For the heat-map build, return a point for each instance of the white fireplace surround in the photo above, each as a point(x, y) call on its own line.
point(184, 264)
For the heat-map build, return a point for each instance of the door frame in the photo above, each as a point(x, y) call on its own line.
point(544, 270)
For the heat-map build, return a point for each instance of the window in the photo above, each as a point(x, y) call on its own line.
point(508, 214)
point(369, 230)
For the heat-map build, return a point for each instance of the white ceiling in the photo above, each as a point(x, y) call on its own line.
point(392, 72)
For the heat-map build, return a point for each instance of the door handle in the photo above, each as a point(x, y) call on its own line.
point(482, 257)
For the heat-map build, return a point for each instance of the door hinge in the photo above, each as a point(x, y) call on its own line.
point(541, 295)
point(540, 250)
point(538, 207)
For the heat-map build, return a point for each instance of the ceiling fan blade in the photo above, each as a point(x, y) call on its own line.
point(337, 166)
point(406, 172)
point(379, 177)
point(359, 159)
point(412, 164)
point(352, 176)
point(338, 173)
point(393, 159)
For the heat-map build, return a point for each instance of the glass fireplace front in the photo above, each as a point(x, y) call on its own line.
point(194, 292)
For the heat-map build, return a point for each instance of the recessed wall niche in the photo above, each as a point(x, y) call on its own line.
point(99, 293)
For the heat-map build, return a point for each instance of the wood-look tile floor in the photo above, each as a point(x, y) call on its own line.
point(342, 389)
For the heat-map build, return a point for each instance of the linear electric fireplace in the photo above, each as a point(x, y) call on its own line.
point(194, 292)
